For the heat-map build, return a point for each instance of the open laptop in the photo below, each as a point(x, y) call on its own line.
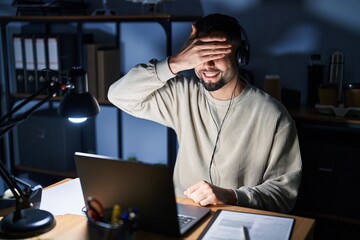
point(147, 187)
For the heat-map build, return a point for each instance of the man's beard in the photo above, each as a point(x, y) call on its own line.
point(213, 86)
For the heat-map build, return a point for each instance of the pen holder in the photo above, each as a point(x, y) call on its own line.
point(105, 230)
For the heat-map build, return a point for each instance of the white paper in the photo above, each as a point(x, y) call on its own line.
point(238, 225)
point(65, 198)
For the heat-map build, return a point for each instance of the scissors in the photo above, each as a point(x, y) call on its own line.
point(95, 210)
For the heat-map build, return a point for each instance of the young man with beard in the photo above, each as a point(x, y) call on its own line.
point(237, 145)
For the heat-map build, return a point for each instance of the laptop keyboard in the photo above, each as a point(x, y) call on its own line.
point(184, 220)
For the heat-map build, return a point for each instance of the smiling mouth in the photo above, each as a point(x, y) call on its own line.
point(210, 75)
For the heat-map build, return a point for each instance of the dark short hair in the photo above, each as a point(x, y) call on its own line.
point(224, 24)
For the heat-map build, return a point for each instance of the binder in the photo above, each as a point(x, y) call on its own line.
point(63, 53)
point(30, 85)
point(52, 49)
point(68, 54)
point(19, 64)
point(108, 61)
point(41, 62)
point(53, 55)
point(91, 65)
point(69, 50)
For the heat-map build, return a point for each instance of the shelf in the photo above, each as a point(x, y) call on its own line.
point(309, 114)
point(118, 18)
point(164, 20)
point(65, 174)
point(21, 96)
point(59, 5)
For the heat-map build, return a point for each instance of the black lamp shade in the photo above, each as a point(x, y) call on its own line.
point(78, 101)
point(78, 105)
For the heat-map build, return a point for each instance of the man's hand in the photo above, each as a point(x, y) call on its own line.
point(205, 193)
point(199, 49)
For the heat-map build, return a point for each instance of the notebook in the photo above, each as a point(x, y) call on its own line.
point(147, 187)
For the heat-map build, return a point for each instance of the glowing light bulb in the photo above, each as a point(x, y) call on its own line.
point(77, 120)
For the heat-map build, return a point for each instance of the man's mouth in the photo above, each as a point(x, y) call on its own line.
point(211, 74)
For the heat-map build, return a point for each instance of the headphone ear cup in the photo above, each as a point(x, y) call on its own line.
point(242, 55)
point(239, 58)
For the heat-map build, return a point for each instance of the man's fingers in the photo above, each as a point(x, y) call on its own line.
point(198, 196)
point(217, 51)
point(208, 48)
point(214, 38)
point(192, 189)
point(214, 47)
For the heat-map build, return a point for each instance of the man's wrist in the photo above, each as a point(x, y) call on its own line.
point(173, 65)
point(233, 197)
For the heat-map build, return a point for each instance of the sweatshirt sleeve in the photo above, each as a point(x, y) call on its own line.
point(281, 179)
point(141, 92)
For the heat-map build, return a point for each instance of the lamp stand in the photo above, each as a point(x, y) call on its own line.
point(26, 223)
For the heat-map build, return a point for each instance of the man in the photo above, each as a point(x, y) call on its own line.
point(237, 145)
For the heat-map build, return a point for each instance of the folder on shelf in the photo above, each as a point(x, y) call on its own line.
point(53, 54)
point(53, 62)
point(41, 62)
point(30, 85)
point(70, 47)
point(68, 52)
point(63, 52)
point(19, 64)
point(108, 62)
point(91, 65)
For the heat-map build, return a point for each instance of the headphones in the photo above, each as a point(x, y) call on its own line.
point(243, 52)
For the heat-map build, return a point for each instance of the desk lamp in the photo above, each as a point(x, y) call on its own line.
point(27, 220)
point(78, 103)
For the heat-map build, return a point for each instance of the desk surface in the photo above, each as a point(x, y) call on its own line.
point(75, 226)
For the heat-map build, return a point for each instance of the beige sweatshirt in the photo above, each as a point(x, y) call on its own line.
point(257, 153)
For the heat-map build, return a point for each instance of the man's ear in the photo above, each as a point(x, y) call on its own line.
point(193, 32)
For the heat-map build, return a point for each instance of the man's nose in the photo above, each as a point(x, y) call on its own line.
point(209, 64)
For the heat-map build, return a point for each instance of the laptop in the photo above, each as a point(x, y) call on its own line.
point(148, 187)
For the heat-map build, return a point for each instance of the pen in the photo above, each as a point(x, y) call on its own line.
point(115, 214)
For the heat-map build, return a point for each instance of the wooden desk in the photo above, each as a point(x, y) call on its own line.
point(74, 227)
